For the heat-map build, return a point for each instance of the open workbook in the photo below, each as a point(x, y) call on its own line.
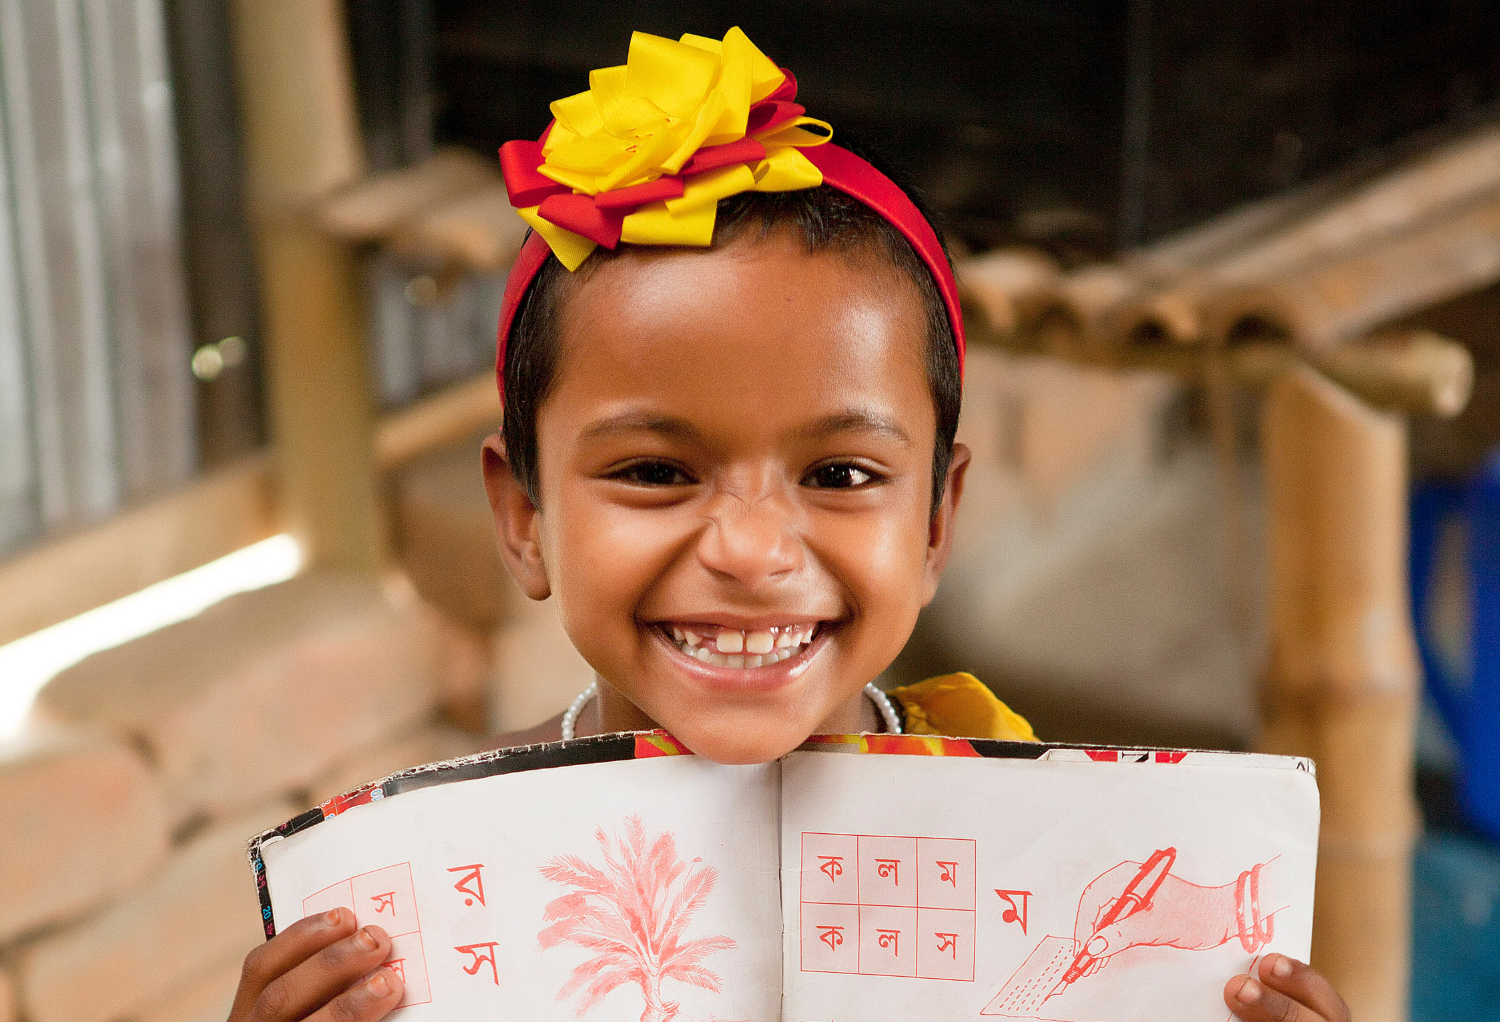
point(860, 878)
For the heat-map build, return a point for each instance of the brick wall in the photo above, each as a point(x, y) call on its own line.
point(125, 894)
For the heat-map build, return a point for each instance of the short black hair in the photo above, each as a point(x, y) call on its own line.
point(823, 219)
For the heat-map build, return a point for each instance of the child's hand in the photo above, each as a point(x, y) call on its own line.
point(319, 969)
point(1287, 991)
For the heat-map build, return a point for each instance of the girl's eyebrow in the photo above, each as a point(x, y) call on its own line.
point(670, 426)
point(673, 427)
point(855, 420)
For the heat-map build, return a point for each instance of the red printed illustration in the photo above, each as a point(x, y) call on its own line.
point(384, 897)
point(632, 913)
point(882, 905)
point(1131, 907)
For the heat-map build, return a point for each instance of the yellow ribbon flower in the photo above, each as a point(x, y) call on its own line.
point(679, 126)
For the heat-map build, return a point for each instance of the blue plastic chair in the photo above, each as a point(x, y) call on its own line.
point(1469, 702)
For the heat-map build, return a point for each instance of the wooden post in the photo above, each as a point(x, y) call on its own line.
point(302, 142)
point(1342, 676)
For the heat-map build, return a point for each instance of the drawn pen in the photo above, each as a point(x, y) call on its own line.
point(1136, 896)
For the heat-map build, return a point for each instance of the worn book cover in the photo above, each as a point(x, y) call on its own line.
point(861, 877)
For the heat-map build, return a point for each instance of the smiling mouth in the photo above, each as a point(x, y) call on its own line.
point(729, 647)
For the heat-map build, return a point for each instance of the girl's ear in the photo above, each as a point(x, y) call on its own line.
point(516, 521)
point(940, 530)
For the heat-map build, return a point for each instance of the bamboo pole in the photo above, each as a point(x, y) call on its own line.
point(439, 421)
point(998, 286)
point(1241, 229)
point(1407, 370)
point(1342, 298)
point(479, 231)
point(1442, 180)
point(1072, 318)
point(1399, 369)
point(302, 143)
point(1342, 677)
point(1086, 309)
point(371, 209)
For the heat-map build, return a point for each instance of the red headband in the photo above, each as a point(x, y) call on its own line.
point(589, 210)
point(842, 170)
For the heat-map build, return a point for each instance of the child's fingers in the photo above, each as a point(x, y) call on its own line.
point(1305, 985)
point(285, 951)
point(373, 998)
point(298, 993)
point(1287, 991)
point(1253, 1001)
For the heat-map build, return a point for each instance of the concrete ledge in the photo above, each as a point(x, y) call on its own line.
point(263, 692)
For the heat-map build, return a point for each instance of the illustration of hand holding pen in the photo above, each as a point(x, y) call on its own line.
point(1135, 898)
point(1142, 903)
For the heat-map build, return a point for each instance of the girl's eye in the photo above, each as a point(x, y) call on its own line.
point(838, 476)
point(652, 473)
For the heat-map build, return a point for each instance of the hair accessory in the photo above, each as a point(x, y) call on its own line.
point(645, 155)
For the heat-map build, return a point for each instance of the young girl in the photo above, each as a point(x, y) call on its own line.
point(730, 359)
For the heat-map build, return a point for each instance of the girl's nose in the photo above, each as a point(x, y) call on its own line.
point(750, 539)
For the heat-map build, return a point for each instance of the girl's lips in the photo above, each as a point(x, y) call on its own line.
point(738, 671)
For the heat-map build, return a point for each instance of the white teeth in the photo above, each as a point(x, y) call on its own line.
point(741, 649)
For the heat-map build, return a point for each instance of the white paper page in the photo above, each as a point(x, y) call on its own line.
point(946, 888)
point(470, 874)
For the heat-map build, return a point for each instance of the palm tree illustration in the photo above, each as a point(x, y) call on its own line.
point(632, 914)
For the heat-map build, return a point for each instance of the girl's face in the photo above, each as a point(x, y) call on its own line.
point(735, 465)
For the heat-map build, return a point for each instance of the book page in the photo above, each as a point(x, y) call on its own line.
point(636, 889)
point(947, 888)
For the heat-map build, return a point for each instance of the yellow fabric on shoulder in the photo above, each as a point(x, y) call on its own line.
point(960, 706)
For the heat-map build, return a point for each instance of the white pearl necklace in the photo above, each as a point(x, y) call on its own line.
point(880, 699)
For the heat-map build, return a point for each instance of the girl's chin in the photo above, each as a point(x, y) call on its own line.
point(742, 749)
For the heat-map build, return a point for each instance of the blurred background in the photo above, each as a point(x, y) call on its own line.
point(1231, 277)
